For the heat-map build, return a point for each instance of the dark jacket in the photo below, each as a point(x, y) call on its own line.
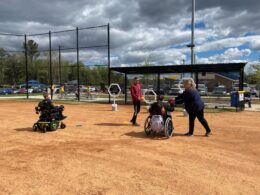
point(156, 108)
point(192, 101)
point(46, 104)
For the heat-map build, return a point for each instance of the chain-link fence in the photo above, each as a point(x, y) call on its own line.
point(70, 64)
point(215, 88)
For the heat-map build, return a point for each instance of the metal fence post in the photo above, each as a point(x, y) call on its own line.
point(125, 88)
point(26, 66)
point(77, 36)
point(108, 58)
point(241, 80)
point(158, 84)
point(51, 82)
point(59, 66)
point(197, 79)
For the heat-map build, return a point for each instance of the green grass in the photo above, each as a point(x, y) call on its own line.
point(219, 110)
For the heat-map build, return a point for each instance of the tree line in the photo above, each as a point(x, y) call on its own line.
point(253, 78)
point(12, 69)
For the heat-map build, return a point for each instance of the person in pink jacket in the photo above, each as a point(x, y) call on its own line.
point(136, 94)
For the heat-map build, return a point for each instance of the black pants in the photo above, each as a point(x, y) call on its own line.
point(137, 106)
point(202, 120)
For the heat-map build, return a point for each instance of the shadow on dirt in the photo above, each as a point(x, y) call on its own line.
point(156, 136)
point(113, 124)
point(100, 110)
point(183, 135)
point(178, 134)
point(30, 129)
point(24, 129)
point(141, 134)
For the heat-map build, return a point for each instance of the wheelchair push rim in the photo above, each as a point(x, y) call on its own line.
point(147, 126)
point(168, 130)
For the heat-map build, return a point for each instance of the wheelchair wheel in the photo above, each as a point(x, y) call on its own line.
point(35, 127)
point(168, 129)
point(62, 126)
point(54, 125)
point(45, 129)
point(147, 126)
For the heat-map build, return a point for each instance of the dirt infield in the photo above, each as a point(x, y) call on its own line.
point(100, 153)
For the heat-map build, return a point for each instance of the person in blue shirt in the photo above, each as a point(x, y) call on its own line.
point(193, 105)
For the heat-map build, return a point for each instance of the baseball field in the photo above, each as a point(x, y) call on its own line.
point(99, 152)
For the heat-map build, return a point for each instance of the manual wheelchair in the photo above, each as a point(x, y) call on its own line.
point(159, 120)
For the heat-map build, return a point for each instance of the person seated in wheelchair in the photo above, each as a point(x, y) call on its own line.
point(160, 119)
point(162, 108)
point(48, 111)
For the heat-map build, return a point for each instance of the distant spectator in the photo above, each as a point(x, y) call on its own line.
point(77, 94)
point(62, 91)
point(52, 88)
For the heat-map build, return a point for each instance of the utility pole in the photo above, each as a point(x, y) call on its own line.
point(192, 32)
point(192, 44)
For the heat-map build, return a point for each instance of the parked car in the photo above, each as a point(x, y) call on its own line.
point(92, 89)
point(166, 90)
point(38, 89)
point(15, 90)
point(245, 86)
point(174, 91)
point(257, 90)
point(24, 91)
point(220, 90)
point(161, 92)
point(253, 91)
point(6, 91)
point(203, 90)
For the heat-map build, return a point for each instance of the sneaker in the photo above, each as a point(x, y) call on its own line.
point(207, 134)
point(188, 134)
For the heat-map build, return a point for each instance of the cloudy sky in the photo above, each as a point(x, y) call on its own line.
point(158, 30)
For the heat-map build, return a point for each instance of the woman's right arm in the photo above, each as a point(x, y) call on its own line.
point(179, 99)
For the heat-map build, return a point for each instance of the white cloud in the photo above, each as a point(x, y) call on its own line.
point(230, 55)
point(140, 28)
point(253, 41)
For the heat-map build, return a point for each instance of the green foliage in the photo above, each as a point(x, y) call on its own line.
point(12, 69)
point(254, 78)
point(148, 80)
point(33, 54)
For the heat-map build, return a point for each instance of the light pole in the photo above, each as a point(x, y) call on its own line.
point(192, 44)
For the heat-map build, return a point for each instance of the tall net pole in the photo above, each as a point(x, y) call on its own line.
point(192, 32)
point(77, 38)
point(59, 66)
point(108, 58)
point(26, 66)
point(50, 63)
